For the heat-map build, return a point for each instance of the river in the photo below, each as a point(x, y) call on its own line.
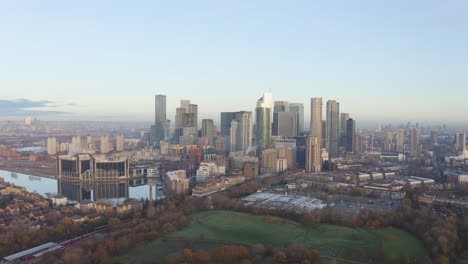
point(99, 191)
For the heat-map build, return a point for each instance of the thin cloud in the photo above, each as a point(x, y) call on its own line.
point(22, 107)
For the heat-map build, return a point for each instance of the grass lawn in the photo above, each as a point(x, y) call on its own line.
point(210, 229)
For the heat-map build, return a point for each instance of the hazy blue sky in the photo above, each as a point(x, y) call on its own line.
point(389, 60)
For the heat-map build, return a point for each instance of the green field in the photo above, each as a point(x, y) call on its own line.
point(211, 229)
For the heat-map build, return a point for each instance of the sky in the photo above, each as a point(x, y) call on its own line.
point(384, 61)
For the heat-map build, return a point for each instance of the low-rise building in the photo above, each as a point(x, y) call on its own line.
point(177, 181)
point(59, 200)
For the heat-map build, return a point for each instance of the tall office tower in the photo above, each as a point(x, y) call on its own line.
point(333, 123)
point(51, 145)
point(184, 104)
point(287, 124)
point(208, 130)
point(359, 143)
point(105, 144)
point(324, 134)
point(120, 143)
point(180, 118)
point(299, 109)
point(159, 118)
point(279, 107)
point(244, 130)
point(243, 134)
point(342, 137)
point(415, 143)
point(350, 135)
point(460, 141)
point(263, 115)
point(233, 136)
point(400, 140)
point(76, 144)
point(434, 138)
point(313, 155)
point(192, 111)
point(343, 119)
point(225, 124)
point(388, 142)
point(316, 117)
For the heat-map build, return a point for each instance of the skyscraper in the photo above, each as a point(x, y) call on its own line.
point(208, 130)
point(316, 117)
point(350, 135)
point(287, 124)
point(225, 126)
point(192, 113)
point(388, 142)
point(415, 143)
point(233, 136)
point(460, 141)
point(313, 155)
point(159, 118)
point(279, 107)
point(400, 140)
point(343, 119)
point(299, 109)
point(244, 129)
point(333, 113)
point(263, 114)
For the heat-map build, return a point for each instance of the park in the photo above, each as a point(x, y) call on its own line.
point(211, 229)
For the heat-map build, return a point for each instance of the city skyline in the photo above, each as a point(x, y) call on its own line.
point(400, 62)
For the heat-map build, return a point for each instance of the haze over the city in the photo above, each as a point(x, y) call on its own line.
point(383, 61)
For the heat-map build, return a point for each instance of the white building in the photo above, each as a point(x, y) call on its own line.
point(59, 200)
point(209, 169)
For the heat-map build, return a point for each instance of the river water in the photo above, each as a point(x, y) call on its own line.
point(96, 191)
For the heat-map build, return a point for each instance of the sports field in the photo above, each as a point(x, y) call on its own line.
point(211, 229)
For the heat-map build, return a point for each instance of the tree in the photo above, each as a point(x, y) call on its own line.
point(201, 257)
point(280, 257)
point(187, 255)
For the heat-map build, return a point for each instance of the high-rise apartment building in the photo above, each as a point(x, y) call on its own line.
point(400, 140)
point(51, 145)
point(316, 117)
point(119, 143)
point(76, 144)
point(388, 142)
point(233, 136)
point(208, 130)
point(333, 114)
point(159, 118)
point(313, 155)
point(415, 143)
point(350, 135)
point(105, 148)
point(299, 109)
point(460, 141)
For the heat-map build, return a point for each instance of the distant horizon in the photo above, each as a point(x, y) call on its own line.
point(382, 61)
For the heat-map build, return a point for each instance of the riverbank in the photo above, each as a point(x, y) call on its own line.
point(40, 169)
